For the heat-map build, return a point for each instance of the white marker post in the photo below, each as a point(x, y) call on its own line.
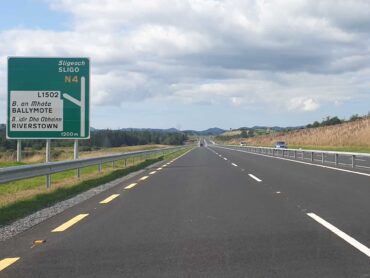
point(47, 159)
point(81, 103)
point(19, 150)
point(75, 155)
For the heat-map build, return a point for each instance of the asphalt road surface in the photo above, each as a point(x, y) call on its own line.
point(213, 212)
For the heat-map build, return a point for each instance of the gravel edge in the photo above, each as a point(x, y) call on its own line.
point(37, 217)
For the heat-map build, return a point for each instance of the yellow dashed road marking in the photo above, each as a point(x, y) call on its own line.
point(110, 198)
point(131, 185)
point(143, 178)
point(69, 223)
point(4, 263)
point(151, 173)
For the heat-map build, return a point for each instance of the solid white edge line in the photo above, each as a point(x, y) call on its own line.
point(302, 162)
point(359, 246)
point(254, 177)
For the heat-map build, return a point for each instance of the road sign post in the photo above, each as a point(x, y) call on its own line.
point(19, 150)
point(48, 98)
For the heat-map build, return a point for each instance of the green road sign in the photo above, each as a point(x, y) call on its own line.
point(48, 98)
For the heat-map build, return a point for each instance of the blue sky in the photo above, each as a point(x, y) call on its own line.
point(34, 14)
point(195, 64)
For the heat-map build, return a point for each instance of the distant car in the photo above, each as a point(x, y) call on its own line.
point(201, 144)
point(281, 145)
point(243, 144)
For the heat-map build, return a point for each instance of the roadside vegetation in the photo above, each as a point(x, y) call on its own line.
point(331, 133)
point(100, 140)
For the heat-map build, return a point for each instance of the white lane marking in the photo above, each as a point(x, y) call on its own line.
point(143, 178)
point(359, 246)
point(234, 164)
point(153, 172)
point(302, 162)
point(254, 177)
point(225, 158)
point(160, 168)
point(277, 192)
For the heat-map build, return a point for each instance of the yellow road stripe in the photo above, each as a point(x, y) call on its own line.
point(151, 173)
point(4, 263)
point(69, 223)
point(143, 178)
point(110, 198)
point(131, 185)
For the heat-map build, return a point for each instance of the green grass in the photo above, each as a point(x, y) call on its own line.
point(11, 163)
point(329, 148)
point(22, 208)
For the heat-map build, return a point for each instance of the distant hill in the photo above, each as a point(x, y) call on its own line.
point(274, 128)
point(210, 131)
point(167, 130)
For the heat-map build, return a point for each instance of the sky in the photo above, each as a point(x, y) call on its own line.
point(195, 64)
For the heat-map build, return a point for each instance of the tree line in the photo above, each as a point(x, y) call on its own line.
point(328, 121)
point(102, 139)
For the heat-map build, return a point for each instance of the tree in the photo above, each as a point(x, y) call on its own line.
point(244, 134)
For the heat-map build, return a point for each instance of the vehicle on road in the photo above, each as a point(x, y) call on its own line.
point(281, 145)
point(243, 144)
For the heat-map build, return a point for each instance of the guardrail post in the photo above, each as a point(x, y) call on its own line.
point(353, 161)
point(125, 162)
point(113, 164)
point(322, 158)
point(100, 167)
point(19, 150)
point(311, 156)
point(336, 159)
point(295, 154)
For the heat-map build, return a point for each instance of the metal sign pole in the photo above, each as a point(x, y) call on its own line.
point(75, 155)
point(19, 150)
point(47, 159)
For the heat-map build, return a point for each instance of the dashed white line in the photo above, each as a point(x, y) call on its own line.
point(254, 177)
point(225, 158)
point(359, 246)
point(301, 162)
point(152, 173)
point(234, 164)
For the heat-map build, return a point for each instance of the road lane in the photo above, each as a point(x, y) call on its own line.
point(198, 217)
point(339, 197)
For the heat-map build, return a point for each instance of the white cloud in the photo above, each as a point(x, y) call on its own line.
point(303, 104)
point(298, 55)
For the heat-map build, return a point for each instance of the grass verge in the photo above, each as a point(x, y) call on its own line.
point(21, 208)
point(354, 149)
